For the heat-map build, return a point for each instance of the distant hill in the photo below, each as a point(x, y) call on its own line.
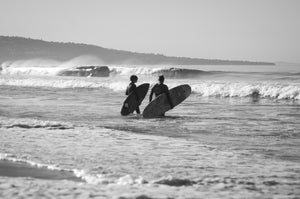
point(19, 48)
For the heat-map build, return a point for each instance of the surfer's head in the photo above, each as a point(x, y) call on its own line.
point(161, 79)
point(133, 78)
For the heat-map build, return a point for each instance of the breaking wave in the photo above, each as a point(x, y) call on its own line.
point(53, 68)
point(44, 67)
point(12, 158)
point(167, 72)
point(53, 172)
point(19, 167)
point(262, 90)
point(203, 88)
point(62, 83)
point(72, 174)
point(31, 73)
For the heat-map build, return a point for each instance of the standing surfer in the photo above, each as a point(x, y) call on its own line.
point(161, 88)
point(132, 88)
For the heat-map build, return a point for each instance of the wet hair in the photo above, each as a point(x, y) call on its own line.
point(161, 78)
point(133, 78)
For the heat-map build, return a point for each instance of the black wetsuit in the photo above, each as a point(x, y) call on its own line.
point(132, 88)
point(159, 89)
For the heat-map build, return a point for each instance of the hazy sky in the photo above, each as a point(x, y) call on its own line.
point(255, 30)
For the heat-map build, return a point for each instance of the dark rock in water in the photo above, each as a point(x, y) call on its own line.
point(84, 71)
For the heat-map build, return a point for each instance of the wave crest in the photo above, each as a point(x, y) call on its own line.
point(53, 68)
point(34, 123)
point(263, 90)
point(205, 88)
point(47, 67)
point(167, 72)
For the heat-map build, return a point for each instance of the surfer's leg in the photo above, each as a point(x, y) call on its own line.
point(138, 110)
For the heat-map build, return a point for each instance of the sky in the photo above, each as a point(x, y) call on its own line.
point(253, 30)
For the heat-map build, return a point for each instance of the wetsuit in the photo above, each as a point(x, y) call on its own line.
point(132, 88)
point(159, 89)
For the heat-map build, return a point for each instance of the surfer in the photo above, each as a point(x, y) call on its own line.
point(161, 88)
point(132, 88)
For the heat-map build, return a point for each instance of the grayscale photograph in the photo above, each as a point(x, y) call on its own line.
point(150, 99)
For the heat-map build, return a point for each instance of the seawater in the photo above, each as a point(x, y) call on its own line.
point(236, 136)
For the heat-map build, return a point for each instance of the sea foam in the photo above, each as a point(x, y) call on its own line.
point(67, 69)
point(27, 123)
point(202, 88)
point(246, 89)
point(62, 83)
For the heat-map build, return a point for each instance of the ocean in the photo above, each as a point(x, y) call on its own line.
point(236, 136)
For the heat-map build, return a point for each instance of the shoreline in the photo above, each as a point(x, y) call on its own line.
point(20, 169)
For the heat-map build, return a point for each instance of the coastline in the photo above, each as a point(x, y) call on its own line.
point(20, 169)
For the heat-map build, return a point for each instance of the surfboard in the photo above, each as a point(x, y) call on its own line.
point(131, 100)
point(160, 104)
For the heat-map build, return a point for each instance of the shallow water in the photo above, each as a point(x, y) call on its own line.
point(222, 142)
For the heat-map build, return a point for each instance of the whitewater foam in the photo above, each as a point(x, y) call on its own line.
point(96, 179)
point(35, 68)
point(202, 88)
point(262, 89)
point(32, 67)
point(170, 181)
point(62, 83)
point(125, 71)
point(46, 67)
point(33, 123)
point(79, 173)
point(168, 72)
point(12, 158)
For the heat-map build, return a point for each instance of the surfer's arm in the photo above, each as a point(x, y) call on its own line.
point(128, 89)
